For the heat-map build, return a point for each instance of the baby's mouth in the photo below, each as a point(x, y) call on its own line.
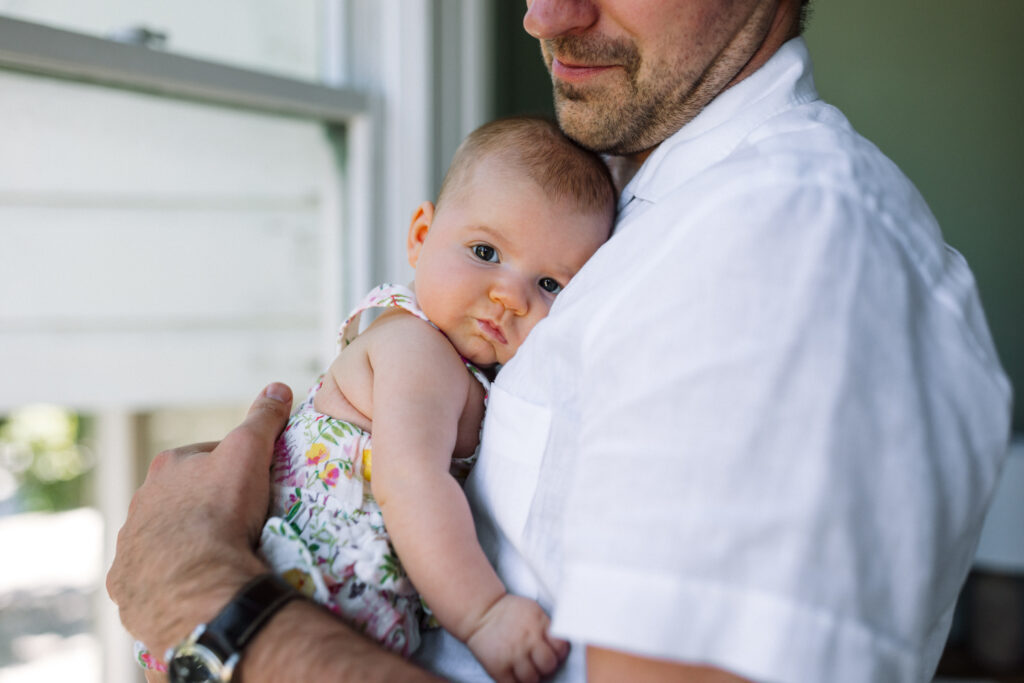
point(493, 331)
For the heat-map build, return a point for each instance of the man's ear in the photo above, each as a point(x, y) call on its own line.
point(422, 218)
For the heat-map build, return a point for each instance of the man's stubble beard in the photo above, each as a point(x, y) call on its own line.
point(641, 111)
point(631, 116)
point(626, 121)
point(619, 120)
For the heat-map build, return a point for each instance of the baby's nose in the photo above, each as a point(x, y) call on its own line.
point(511, 294)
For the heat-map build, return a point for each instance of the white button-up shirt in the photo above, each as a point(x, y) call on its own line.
point(760, 429)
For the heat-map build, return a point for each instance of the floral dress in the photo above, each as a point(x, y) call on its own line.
point(325, 533)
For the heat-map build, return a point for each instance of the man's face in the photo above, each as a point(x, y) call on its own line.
point(627, 74)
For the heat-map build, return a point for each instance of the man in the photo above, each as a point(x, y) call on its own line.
point(756, 436)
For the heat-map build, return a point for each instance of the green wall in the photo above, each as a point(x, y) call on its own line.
point(939, 87)
point(521, 81)
point(936, 85)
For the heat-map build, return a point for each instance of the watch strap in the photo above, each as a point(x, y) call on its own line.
point(248, 611)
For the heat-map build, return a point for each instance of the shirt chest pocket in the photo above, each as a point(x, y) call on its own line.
point(512, 445)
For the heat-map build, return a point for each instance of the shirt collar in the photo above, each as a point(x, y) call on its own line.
point(784, 81)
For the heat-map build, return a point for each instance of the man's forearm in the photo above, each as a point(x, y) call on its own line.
point(304, 642)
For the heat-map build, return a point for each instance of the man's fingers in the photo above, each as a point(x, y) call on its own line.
point(266, 418)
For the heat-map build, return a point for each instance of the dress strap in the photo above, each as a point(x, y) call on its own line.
point(396, 296)
point(383, 296)
point(479, 375)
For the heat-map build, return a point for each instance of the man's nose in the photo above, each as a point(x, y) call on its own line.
point(546, 19)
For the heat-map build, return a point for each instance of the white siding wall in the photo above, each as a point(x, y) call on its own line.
point(155, 252)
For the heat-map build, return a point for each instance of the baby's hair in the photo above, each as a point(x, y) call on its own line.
point(535, 145)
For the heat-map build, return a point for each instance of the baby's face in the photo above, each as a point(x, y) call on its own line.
point(491, 262)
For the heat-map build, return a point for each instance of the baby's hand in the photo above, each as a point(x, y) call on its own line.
point(512, 641)
point(155, 676)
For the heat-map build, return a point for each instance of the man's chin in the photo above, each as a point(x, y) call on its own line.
point(583, 126)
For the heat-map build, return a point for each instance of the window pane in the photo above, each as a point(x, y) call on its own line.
point(277, 36)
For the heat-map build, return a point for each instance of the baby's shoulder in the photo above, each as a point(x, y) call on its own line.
point(398, 326)
point(400, 338)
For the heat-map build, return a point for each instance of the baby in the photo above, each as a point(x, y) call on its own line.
point(520, 211)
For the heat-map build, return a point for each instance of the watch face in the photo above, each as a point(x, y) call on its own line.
point(195, 665)
point(190, 669)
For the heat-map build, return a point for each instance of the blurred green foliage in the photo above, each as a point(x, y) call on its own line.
point(43, 464)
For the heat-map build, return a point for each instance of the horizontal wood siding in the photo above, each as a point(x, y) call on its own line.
point(155, 252)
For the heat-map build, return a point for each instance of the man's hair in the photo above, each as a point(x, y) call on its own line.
point(538, 148)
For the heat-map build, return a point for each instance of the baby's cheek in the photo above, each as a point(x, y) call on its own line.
point(535, 317)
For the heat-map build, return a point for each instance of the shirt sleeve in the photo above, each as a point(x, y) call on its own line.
point(781, 472)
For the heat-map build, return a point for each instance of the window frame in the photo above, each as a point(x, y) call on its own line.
point(347, 113)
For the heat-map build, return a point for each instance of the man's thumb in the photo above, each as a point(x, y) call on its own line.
point(279, 392)
point(267, 416)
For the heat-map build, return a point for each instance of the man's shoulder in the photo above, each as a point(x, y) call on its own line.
point(808, 175)
point(802, 201)
point(814, 147)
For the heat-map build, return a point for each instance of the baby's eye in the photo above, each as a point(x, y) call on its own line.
point(549, 285)
point(485, 252)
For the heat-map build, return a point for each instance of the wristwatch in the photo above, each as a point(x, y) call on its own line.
point(211, 653)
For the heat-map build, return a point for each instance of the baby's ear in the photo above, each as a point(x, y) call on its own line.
point(418, 229)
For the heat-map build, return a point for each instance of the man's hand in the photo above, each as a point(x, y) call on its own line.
point(188, 543)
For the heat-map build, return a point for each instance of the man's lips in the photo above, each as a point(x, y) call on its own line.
point(575, 73)
point(491, 330)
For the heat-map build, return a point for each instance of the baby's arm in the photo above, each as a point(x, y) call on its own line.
point(420, 390)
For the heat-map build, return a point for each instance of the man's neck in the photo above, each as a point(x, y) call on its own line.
point(623, 168)
point(784, 27)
